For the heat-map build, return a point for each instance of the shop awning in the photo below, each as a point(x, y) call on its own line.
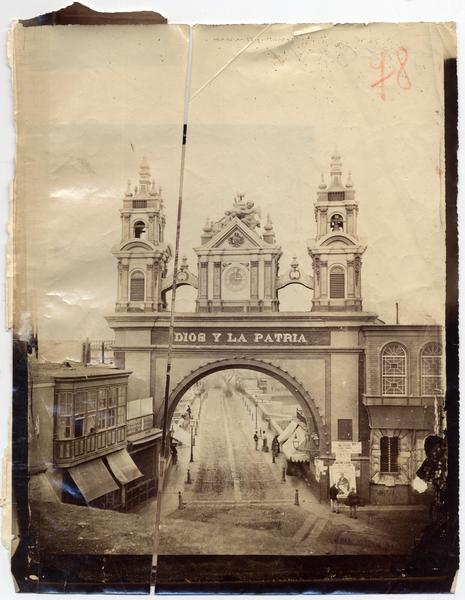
point(294, 455)
point(93, 479)
point(122, 466)
point(288, 431)
point(181, 435)
point(294, 449)
point(401, 417)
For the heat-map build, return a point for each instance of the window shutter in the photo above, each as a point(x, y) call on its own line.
point(384, 447)
point(137, 287)
point(393, 455)
point(389, 447)
point(337, 283)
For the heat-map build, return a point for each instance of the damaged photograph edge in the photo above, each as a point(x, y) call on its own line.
point(336, 569)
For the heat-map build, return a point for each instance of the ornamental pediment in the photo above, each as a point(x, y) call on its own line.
point(236, 236)
point(136, 246)
point(337, 240)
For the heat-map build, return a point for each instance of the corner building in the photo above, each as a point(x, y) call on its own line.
point(355, 378)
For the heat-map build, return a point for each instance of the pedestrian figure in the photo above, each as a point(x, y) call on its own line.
point(265, 444)
point(352, 501)
point(333, 492)
point(174, 455)
point(255, 439)
point(275, 446)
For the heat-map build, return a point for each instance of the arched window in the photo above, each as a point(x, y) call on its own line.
point(337, 283)
point(431, 369)
point(137, 291)
point(394, 370)
point(139, 229)
point(336, 223)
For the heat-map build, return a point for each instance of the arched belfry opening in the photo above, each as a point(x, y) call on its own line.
point(140, 230)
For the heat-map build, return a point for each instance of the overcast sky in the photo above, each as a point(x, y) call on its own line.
point(268, 106)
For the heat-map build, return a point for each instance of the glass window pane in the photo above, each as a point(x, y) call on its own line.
point(112, 396)
point(63, 428)
point(65, 403)
point(111, 417)
point(80, 402)
point(394, 370)
point(121, 415)
point(90, 424)
point(91, 400)
point(102, 398)
point(121, 394)
point(101, 419)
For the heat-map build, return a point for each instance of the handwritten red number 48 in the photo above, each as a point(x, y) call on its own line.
point(399, 72)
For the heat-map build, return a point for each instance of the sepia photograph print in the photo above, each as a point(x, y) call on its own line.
point(229, 317)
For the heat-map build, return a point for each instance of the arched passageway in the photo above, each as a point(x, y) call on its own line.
point(302, 396)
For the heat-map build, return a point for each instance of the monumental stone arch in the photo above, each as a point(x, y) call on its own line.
point(317, 354)
point(309, 407)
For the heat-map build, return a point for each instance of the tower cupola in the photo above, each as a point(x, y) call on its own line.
point(142, 253)
point(336, 250)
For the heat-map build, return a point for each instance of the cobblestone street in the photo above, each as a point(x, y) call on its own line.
point(238, 503)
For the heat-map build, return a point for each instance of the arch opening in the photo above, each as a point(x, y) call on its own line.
point(306, 403)
point(140, 230)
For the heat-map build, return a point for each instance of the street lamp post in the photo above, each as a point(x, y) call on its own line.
point(256, 412)
point(192, 443)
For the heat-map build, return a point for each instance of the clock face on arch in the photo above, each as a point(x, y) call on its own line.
point(235, 279)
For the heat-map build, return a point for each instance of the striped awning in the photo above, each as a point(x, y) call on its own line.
point(93, 479)
point(123, 467)
point(294, 455)
point(295, 448)
point(292, 426)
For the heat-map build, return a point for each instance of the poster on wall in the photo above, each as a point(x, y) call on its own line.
point(343, 475)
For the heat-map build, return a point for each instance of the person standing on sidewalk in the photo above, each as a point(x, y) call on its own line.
point(265, 443)
point(333, 492)
point(174, 455)
point(275, 446)
point(352, 501)
point(255, 439)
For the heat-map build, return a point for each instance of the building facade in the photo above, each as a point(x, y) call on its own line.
point(355, 378)
point(87, 445)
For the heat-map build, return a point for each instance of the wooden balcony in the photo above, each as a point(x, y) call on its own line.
point(144, 423)
point(75, 450)
point(142, 429)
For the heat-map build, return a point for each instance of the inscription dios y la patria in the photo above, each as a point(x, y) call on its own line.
point(241, 338)
point(196, 336)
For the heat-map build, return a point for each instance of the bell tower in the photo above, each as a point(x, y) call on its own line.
point(336, 251)
point(142, 253)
